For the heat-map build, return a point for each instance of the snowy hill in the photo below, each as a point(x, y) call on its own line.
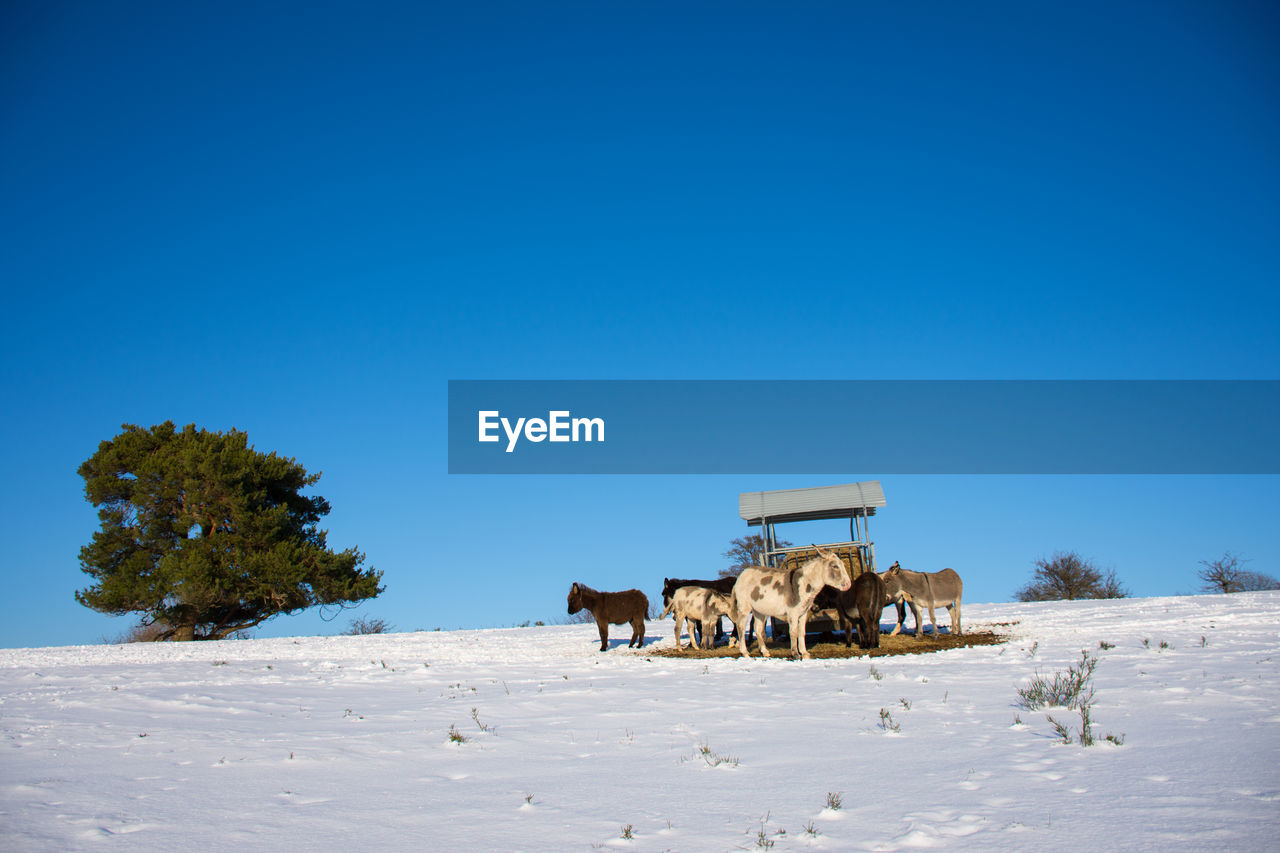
point(344, 743)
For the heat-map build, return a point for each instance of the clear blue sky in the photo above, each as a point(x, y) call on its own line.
point(302, 219)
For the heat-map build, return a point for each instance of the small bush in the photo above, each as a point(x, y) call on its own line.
point(367, 625)
point(475, 715)
point(1072, 689)
point(1068, 576)
point(763, 841)
point(1060, 729)
point(886, 721)
point(835, 800)
point(1086, 725)
point(456, 736)
point(714, 760)
point(1068, 690)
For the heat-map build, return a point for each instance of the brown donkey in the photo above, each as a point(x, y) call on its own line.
point(617, 608)
point(860, 606)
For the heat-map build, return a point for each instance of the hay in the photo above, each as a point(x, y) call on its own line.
point(851, 558)
point(903, 644)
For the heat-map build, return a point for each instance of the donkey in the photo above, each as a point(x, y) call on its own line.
point(784, 594)
point(617, 608)
point(860, 605)
point(704, 605)
point(670, 585)
point(924, 589)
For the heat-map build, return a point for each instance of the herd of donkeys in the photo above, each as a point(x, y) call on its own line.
point(787, 594)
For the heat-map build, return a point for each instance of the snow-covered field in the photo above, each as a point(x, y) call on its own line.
point(343, 743)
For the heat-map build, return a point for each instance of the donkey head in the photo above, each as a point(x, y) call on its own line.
point(575, 599)
point(668, 590)
point(833, 572)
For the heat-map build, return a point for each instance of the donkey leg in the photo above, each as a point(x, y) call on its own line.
point(603, 626)
point(955, 618)
point(742, 640)
point(934, 620)
point(902, 617)
point(760, 645)
point(795, 627)
point(637, 632)
point(740, 619)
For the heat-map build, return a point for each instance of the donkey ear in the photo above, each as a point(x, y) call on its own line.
point(574, 589)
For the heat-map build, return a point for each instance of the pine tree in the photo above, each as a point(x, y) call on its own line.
point(206, 536)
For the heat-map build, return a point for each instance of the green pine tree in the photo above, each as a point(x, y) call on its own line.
point(206, 536)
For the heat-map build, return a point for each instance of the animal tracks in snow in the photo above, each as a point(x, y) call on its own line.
point(935, 829)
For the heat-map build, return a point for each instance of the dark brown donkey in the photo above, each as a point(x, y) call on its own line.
point(860, 605)
point(617, 608)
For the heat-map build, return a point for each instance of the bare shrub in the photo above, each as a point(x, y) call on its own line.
point(1069, 689)
point(1068, 576)
point(1227, 574)
point(367, 625)
point(746, 551)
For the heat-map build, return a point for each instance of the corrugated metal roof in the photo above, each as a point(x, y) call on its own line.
point(811, 504)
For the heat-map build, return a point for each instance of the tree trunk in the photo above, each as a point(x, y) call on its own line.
point(184, 632)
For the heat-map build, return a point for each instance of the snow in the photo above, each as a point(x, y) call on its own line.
point(340, 743)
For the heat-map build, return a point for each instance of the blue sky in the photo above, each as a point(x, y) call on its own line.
point(301, 220)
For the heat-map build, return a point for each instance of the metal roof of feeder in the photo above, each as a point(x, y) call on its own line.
point(845, 501)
